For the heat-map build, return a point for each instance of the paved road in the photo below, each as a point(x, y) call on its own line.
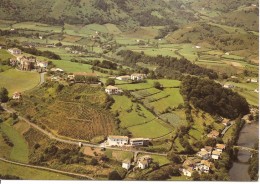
point(74, 142)
point(46, 168)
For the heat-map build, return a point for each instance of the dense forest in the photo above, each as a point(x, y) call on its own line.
point(168, 66)
point(213, 98)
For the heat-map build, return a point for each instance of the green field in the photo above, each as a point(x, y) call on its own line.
point(30, 173)
point(4, 55)
point(19, 151)
point(118, 155)
point(152, 129)
point(15, 80)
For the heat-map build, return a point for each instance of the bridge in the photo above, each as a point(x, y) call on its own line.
point(245, 148)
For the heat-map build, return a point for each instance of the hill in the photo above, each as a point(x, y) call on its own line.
point(76, 112)
point(128, 13)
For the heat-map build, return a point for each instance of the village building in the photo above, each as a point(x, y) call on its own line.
point(124, 78)
point(189, 165)
point(144, 161)
point(139, 141)
point(41, 64)
point(115, 140)
point(254, 80)
point(215, 155)
point(247, 118)
point(56, 70)
point(226, 122)
point(220, 147)
point(203, 154)
point(126, 164)
point(112, 90)
point(228, 86)
point(26, 63)
point(187, 171)
point(13, 62)
point(209, 149)
point(138, 77)
point(213, 134)
point(15, 51)
point(203, 166)
point(17, 96)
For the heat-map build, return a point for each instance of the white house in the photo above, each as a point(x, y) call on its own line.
point(111, 90)
point(228, 86)
point(15, 51)
point(115, 140)
point(124, 78)
point(215, 155)
point(126, 164)
point(143, 164)
point(254, 80)
point(138, 76)
point(220, 147)
point(203, 166)
point(187, 171)
point(139, 141)
point(17, 96)
point(42, 64)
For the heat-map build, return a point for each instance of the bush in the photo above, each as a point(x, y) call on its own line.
point(114, 176)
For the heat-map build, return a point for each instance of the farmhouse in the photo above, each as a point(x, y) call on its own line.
point(207, 148)
point(213, 134)
point(138, 77)
point(15, 51)
point(126, 164)
point(112, 90)
point(139, 141)
point(144, 161)
point(187, 171)
point(254, 80)
point(114, 140)
point(27, 63)
point(124, 78)
point(17, 96)
point(226, 122)
point(189, 165)
point(56, 70)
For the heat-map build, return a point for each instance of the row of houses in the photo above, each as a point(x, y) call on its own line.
point(28, 63)
point(133, 77)
point(202, 164)
point(114, 140)
point(142, 162)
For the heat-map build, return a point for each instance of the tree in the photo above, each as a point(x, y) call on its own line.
point(114, 176)
point(173, 157)
point(195, 176)
point(3, 95)
point(157, 85)
point(110, 82)
point(93, 161)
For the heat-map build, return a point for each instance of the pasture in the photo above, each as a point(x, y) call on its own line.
point(19, 151)
point(14, 80)
point(30, 173)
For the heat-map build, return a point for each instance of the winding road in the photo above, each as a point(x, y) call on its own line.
point(74, 142)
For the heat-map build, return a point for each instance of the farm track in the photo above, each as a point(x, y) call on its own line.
point(46, 169)
point(73, 142)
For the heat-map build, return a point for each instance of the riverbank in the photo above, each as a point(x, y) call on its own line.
point(248, 137)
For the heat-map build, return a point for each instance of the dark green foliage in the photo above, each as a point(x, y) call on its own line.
point(93, 161)
point(114, 176)
point(157, 85)
point(9, 177)
point(36, 52)
point(110, 82)
point(173, 157)
point(213, 98)
point(253, 169)
point(195, 176)
point(168, 66)
point(3, 95)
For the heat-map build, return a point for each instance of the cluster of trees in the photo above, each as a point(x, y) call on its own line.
point(3, 95)
point(213, 98)
point(64, 156)
point(105, 64)
point(167, 29)
point(168, 66)
point(7, 140)
point(86, 79)
point(36, 52)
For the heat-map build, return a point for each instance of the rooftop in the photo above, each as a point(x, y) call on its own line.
point(220, 146)
point(111, 87)
point(117, 137)
point(216, 153)
point(127, 161)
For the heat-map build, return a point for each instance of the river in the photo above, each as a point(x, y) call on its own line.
point(247, 138)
